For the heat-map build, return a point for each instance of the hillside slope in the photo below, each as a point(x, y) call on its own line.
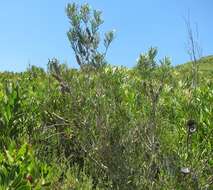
point(205, 65)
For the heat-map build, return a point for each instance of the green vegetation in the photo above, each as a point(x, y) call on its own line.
point(104, 127)
point(205, 66)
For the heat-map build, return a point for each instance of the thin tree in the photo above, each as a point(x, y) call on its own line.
point(84, 35)
point(194, 51)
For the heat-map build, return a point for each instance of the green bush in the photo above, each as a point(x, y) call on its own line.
point(105, 127)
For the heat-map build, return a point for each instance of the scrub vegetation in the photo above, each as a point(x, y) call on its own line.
point(106, 127)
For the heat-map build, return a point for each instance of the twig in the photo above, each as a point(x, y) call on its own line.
point(94, 160)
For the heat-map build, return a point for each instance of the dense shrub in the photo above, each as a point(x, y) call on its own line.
point(104, 127)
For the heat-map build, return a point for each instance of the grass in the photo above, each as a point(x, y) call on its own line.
point(205, 64)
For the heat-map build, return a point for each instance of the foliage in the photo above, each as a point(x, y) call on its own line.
point(205, 65)
point(106, 128)
point(20, 170)
point(99, 127)
point(84, 35)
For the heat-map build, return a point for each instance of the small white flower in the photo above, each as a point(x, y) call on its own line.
point(185, 170)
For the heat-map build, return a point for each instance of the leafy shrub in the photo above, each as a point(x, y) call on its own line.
point(104, 127)
point(20, 170)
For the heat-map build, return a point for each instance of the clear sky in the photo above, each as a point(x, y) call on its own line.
point(31, 31)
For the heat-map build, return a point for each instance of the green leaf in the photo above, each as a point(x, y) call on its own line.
point(9, 156)
point(17, 181)
point(24, 187)
point(22, 151)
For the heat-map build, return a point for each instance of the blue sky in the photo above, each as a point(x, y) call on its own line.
point(34, 30)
